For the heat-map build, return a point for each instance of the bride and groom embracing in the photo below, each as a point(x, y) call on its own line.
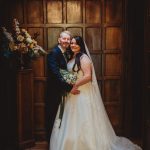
point(84, 124)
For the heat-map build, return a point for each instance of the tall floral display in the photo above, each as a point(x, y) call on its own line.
point(20, 45)
point(17, 49)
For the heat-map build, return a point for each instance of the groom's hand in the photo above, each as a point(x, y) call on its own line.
point(74, 90)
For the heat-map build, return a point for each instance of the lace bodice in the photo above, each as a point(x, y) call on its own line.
point(85, 59)
point(70, 66)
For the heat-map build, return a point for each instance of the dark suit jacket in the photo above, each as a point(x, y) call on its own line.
point(55, 61)
point(55, 87)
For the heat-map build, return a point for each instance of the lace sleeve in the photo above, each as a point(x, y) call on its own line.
point(85, 61)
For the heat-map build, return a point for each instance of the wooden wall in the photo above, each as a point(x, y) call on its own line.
point(101, 23)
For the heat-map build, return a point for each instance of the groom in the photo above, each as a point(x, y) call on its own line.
point(56, 59)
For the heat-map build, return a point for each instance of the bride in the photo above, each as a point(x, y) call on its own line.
point(85, 124)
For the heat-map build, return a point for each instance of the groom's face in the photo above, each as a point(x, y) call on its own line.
point(64, 40)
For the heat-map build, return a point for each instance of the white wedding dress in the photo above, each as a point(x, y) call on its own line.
point(85, 124)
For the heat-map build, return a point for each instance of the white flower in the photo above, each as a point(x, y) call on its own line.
point(29, 40)
point(69, 77)
point(20, 38)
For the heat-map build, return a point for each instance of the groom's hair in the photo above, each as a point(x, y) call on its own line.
point(66, 32)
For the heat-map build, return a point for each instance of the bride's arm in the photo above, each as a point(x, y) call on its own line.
point(87, 71)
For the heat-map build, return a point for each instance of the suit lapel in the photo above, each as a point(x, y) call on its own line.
point(62, 55)
point(62, 58)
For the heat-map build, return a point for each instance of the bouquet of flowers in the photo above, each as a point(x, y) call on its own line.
point(69, 77)
point(19, 45)
point(24, 43)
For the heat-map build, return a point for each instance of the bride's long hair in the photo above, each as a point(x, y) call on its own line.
point(80, 42)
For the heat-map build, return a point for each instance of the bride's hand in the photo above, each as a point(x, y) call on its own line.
point(75, 90)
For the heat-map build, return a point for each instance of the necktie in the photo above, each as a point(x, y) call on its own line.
point(64, 54)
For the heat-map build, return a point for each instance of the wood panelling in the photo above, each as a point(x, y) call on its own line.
point(85, 18)
point(25, 108)
point(74, 11)
point(112, 90)
point(53, 34)
point(39, 91)
point(39, 106)
point(112, 65)
point(34, 9)
point(93, 38)
point(97, 61)
point(38, 66)
point(113, 38)
point(76, 31)
point(114, 113)
point(112, 46)
point(95, 8)
point(39, 121)
point(111, 11)
point(54, 11)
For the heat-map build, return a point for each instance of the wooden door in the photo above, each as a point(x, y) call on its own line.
point(101, 23)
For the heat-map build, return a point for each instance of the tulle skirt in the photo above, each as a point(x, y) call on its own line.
point(86, 126)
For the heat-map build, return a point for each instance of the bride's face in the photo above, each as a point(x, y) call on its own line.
point(74, 46)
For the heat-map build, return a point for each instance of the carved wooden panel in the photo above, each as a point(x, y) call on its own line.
point(74, 11)
point(39, 121)
point(112, 90)
point(75, 31)
point(93, 39)
point(25, 108)
point(113, 38)
point(39, 106)
point(54, 11)
point(38, 66)
point(93, 11)
point(34, 10)
point(53, 34)
point(39, 91)
point(114, 113)
point(97, 61)
point(112, 64)
point(111, 11)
